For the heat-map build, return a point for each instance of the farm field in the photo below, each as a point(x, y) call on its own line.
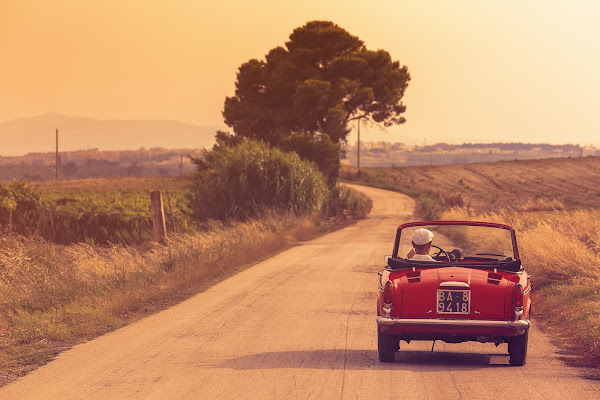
point(517, 185)
point(554, 204)
point(85, 164)
point(98, 185)
point(96, 211)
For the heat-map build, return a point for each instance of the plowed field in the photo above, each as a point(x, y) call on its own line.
point(558, 182)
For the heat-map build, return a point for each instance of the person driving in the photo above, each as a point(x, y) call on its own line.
point(421, 241)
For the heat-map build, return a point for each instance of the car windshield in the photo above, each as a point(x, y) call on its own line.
point(463, 242)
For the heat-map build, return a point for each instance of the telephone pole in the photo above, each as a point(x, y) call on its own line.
point(358, 147)
point(57, 158)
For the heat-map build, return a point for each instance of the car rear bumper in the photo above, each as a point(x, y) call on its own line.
point(517, 326)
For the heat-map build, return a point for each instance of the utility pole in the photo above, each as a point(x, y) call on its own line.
point(358, 147)
point(57, 158)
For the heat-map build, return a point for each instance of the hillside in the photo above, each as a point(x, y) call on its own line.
point(568, 182)
point(29, 135)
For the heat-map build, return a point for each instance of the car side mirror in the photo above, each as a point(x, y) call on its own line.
point(386, 258)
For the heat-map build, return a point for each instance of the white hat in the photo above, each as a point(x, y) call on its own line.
point(422, 236)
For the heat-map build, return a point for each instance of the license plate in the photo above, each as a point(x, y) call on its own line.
point(453, 301)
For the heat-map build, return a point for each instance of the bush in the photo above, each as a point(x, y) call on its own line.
point(345, 202)
point(17, 201)
point(74, 212)
point(251, 178)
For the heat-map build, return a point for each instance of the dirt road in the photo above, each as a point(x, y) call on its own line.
point(299, 325)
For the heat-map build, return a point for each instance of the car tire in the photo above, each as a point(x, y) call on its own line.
point(518, 349)
point(386, 347)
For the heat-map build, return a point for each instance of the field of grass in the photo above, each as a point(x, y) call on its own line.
point(96, 211)
point(567, 182)
point(100, 185)
point(561, 250)
point(53, 296)
point(554, 204)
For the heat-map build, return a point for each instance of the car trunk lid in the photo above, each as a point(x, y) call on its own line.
point(421, 297)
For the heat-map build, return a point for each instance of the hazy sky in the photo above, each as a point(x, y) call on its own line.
point(482, 70)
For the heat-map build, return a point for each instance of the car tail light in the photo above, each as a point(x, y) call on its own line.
point(388, 293)
point(518, 296)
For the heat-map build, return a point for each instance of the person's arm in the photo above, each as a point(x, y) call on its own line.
point(411, 253)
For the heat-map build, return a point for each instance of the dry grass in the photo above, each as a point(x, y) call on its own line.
point(561, 249)
point(553, 205)
point(54, 296)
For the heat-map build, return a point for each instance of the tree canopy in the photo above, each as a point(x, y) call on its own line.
point(303, 96)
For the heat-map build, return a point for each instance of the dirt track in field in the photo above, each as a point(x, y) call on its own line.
point(299, 325)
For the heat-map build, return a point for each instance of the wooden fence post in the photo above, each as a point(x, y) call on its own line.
point(10, 221)
point(52, 226)
point(172, 212)
point(158, 216)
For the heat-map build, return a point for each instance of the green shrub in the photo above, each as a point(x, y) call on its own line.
point(88, 215)
point(251, 178)
point(345, 202)
point(17, 202)
point(103, 218)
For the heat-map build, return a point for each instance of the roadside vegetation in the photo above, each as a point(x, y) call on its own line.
point(97, 211)
point(246, 180)
point(561, 250)
point(55, 294)
point(553, 205)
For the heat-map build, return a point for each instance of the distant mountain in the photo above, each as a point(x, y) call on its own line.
point(29, 135)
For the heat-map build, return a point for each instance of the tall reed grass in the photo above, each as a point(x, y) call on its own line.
point(251, 178)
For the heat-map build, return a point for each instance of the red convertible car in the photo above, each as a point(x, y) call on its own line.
point(454, 281)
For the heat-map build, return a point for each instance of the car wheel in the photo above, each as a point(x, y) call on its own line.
point(386, 347)
point(517, 349)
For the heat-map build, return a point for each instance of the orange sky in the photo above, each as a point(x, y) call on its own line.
point(482, 70)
